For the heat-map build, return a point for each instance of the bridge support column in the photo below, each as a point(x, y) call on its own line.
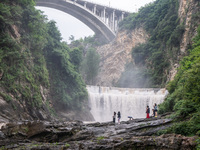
point(117, 23)
point(104, 14)
point(85, 4)
point(110, 20)
point(122, 15)
point(75, 1)
point(95, 8)
point(113, 25)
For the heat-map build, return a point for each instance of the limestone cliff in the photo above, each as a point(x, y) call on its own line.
point(187, 11)
point(116, 54)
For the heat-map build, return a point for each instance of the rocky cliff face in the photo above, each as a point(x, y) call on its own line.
point(187, 11)
point(116, 54)
point(15, 107)
point(25, 89)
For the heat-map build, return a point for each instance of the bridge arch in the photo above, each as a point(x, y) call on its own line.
point(78, 9)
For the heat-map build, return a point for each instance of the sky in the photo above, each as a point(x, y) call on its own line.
point(68, 25)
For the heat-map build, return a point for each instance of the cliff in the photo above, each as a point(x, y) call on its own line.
point(115, 55)
point(39, 79)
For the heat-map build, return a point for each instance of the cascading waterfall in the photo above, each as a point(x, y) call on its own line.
point(130, 102)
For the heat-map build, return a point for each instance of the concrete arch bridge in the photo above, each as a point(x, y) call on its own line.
point(103, 20)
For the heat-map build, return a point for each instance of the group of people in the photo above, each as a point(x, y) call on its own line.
point(118, 117)
point(154, 110)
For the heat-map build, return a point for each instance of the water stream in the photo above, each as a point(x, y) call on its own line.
point(130, 102)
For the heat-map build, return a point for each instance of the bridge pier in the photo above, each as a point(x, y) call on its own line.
point(85, 4)
point(95, 7)
point(113, 25)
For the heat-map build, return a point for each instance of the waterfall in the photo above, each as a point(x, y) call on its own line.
point(130, 102)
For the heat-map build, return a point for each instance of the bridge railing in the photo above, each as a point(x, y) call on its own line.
point(110, 16)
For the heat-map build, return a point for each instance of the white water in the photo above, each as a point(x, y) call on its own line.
point(130, 102)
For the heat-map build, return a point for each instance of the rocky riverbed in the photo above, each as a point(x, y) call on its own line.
point(76, 135)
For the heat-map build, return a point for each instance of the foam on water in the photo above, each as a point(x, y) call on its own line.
point(130, 102)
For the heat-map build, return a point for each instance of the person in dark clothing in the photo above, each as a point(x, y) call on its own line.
point(156, 109)
point(114, 117)
point(147, 112)
point(153, 115)
point(119, 116)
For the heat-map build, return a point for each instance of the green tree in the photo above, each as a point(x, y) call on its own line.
point(67, 87)
point(184, 97)
point(76, 57)
point(91, 65)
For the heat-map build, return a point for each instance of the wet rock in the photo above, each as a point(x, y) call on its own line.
point(2, 136)
point(136, 134)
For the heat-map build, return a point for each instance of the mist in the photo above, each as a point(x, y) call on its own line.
point(134, 77)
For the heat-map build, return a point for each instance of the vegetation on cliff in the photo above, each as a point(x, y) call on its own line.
point(160, 20)
point(32, 56)
point(89, 65)
point(184, 97)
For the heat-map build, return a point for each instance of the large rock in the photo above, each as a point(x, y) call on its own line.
point(134, 134)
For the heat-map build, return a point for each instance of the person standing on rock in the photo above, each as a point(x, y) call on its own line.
point(147, 112)
point(114, 117)
point(119, 116)
point(153, 113)
point(155, 109)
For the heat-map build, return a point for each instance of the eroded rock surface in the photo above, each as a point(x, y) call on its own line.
point(76, 135)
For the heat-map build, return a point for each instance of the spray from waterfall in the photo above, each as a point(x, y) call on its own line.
point(130, 102)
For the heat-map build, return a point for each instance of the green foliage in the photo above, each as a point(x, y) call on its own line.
point(160, 20)
point(66, 84)
point(76, 57)
point(198, 144)
point(24, 59)
point(67, 145)
point(91, 65)
point(100, 138)
point(184, 96)
point(8, 98)
point(89, 60)
point(5, 15)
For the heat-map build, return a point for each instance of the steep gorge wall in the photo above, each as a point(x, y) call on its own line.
point(38, 79)
point(187, 9)
point(186, 12)
point(15, 106)
point(115, 55)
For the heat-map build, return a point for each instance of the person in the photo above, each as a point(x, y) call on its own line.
point(147, 112)
point(155, 109)
point(114, 116)
point(153, 113)
point(119, 116)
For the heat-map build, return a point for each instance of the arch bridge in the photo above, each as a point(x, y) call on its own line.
point(103, 20)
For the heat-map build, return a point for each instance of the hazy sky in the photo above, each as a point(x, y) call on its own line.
point(69, 25)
